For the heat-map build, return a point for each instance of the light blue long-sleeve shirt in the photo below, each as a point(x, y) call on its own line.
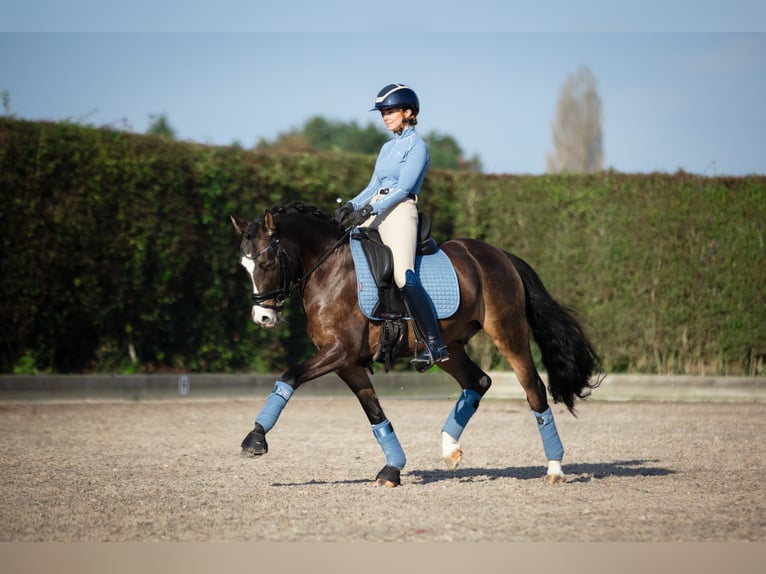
point(401, 167)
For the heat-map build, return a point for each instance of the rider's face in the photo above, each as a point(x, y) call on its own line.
point(393, 118)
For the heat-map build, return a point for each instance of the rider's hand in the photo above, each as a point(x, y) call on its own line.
point(360, 216)
point(344, 212)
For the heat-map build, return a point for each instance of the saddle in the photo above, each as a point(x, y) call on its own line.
point(374, 264)
point(390, 304)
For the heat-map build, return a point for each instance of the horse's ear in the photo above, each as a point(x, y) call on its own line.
point(269, 223)
point(239, 224)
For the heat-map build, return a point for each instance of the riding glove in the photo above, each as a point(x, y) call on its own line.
point(360, 216)
point(343, 212)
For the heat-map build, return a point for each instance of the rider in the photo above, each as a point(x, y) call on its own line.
point(390, 199)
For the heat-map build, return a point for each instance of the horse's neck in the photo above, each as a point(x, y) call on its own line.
point(312, 240)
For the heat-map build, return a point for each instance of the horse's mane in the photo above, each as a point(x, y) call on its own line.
point(299, 207)
point(323, 221)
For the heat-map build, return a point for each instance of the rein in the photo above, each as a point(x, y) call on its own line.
point(281, 293)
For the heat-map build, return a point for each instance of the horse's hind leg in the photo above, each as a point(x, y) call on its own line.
point(475, 383)
point(514, 345)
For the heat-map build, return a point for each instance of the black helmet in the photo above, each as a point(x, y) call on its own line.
point(397, 96)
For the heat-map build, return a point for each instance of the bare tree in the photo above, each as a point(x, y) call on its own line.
point(577, 141)
point(5, 95)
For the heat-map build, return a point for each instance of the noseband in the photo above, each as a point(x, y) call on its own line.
point(283, 291)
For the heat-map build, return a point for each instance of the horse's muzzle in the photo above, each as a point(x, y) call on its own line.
point(264, 317)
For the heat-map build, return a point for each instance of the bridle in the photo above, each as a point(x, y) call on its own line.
point(284, 290)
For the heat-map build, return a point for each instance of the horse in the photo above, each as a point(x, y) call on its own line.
point(297, 248)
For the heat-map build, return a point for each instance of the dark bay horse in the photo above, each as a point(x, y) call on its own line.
point(297, 248)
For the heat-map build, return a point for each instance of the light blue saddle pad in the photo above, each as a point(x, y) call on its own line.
point(435, 271)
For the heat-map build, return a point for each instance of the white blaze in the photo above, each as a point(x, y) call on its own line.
point(260, 315)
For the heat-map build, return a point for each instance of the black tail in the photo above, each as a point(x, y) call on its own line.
point(569, 358)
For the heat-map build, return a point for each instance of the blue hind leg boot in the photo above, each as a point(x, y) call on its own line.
point(554, 450)
point(464, 409)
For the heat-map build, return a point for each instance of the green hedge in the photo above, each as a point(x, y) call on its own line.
point(117, 253)
point(669, 271)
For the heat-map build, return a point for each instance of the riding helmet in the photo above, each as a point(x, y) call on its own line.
point(397, 96)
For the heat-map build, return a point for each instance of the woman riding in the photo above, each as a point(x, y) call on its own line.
point(389, 205)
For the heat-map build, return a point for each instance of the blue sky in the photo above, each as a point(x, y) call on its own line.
point(682, 83)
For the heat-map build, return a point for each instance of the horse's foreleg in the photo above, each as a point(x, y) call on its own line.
point(255, 442)
point(389, 475)
point(475, 383)
point(382, 429)
point(323, 362)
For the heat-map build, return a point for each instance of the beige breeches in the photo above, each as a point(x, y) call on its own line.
point(398, 229)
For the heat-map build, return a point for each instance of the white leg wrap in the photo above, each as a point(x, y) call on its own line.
point(451, 451)
point(449, 445)
point(554, 469)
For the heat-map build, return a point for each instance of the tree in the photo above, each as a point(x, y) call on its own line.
point(320, 134)
point(161, 127)
point(577, 139)
point(446, 153)
point(6, 97)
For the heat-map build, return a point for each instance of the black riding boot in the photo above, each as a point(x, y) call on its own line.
point(422, 310)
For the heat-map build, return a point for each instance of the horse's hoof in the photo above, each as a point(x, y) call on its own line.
point(453, 459)
point(255, 444)
point(451, 451)
point(389, 476)
point(555, 474)
point(555, 479)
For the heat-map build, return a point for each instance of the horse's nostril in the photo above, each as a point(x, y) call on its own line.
point(261, 318)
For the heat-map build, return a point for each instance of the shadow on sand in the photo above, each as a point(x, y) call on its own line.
point(582, 472)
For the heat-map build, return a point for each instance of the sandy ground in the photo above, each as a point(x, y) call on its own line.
point(171, 470)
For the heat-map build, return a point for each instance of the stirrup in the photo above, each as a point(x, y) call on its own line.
point(430, 356)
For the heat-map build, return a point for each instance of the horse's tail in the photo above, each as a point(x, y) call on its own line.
point(569, 358)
